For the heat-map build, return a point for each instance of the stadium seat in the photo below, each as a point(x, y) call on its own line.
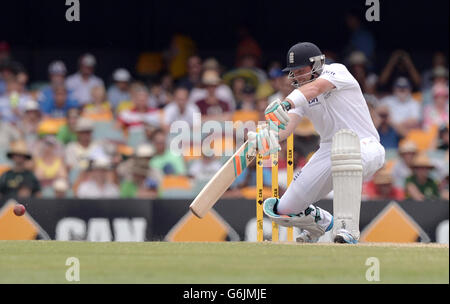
point(135, 138)
point(175, 182)
point(244, 116)
point(3, 169)
point(107, 130)
point(423, 139)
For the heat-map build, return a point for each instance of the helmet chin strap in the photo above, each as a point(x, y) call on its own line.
point(316, 69)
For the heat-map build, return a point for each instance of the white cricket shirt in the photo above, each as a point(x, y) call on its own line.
point(344, 107)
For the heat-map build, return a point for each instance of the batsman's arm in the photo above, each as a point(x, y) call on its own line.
point(309, 91)
point(293, 122)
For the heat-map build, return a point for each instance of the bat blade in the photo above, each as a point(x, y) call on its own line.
point(221, 181)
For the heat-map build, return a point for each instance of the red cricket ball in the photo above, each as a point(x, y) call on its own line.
point(19, 209)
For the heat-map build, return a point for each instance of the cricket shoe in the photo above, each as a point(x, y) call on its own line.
point(307, 220)
point(344, 237)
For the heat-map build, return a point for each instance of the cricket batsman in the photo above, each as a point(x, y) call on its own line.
point(350, 149)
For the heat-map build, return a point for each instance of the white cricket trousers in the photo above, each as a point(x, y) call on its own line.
point(314, 181)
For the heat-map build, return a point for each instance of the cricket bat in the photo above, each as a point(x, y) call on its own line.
point(221, 181)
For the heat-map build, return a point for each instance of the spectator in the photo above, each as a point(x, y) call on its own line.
point(48, 161)
point(12, 102)
point(31, 119)
point(194, 73)
point(404, 111)
point(439, 78)
point(285, 89)
point(8, 134)
point(140, 113)
point(60, 188)
point(222, 91)
point(142, 155)
point(211, 107)
point(158, 97)
point(399, 65)
point(420, 186)
point(77, 154)
point(58, 106)
point(248, 100)
point(360, 39)
point(402, 168)
point(5, 54)
point(7, 74)
point(141, 184)
point(18, 176)
point(276, 78)
point(389, 135)
point(67, 132)
point(119, 91)
point(82, 82)
point(203, 169)
point(442, 143)
point(443, 187)
point(179, 109)
point(99, 109)
point(358, 67)
point(439, 60)
point(381, 188)
point(57, 75)
point(166, 162)
point(97, 185)
point(436, 114)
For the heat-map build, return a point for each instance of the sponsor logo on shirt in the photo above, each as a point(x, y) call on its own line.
point(313, 102)
point(329, 72)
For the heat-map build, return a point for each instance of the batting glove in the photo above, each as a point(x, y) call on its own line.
point(265, 141)
point(277, 114)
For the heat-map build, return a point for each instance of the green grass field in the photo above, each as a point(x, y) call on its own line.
point(155, 262)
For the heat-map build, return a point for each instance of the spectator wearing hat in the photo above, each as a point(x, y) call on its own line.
point(402, 167)
point(48, 161)
point(222, 90)
point(390, 136)
point(142, 155)
point(120, 90)
point(437, 113)
point(211, 107)
point(420, 186)
point(405, 111)
point(59, 104)
point(399, 65)
point(82, 82)
point(194, 73)
point(381, 187)
point(57, 72)
point(179, 109)
point(77, 154)
point(98, 109)
point(12, 180)
point(97, 184)
point(139, 179)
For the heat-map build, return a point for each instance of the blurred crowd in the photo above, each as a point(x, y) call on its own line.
point(77, 136)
